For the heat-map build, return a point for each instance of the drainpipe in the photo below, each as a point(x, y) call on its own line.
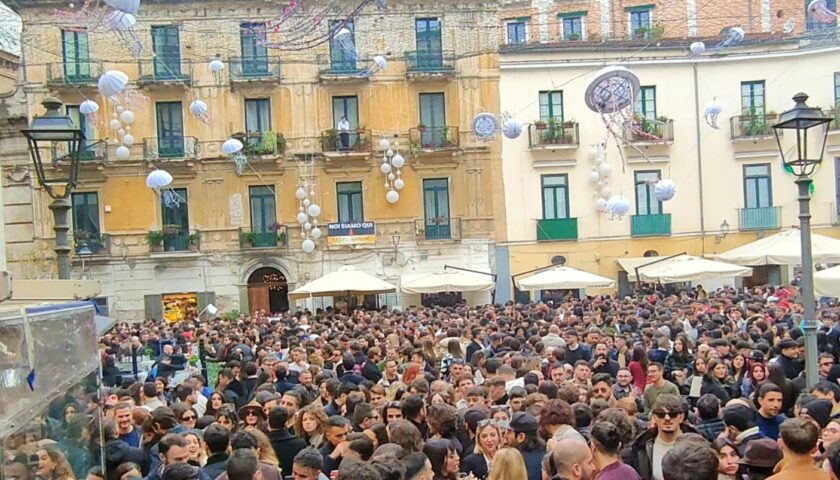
point(699, 162)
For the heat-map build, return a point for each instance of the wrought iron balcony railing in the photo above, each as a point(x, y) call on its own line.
point(754, 126)
point(173, 238)
point(430, 61)
point(438, 228)
point(553, 134)
point(74, 73)
point(650, 225)
point(760, 218)
point(165, 70)
point(176, 147)
point(644, 130)
point(272, 236)
point(253, 69)
point(434, 138)
point(355, 141)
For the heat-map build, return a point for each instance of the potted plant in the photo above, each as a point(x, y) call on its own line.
point(155, 238)
point(573, 36)
point(192, 241)
point(642, 32)
point(331, 140)
point(246, 238)
point(421, 127)
point(539, 124)
point(360, 130)
point(268, 144)
point(281, 237)
point(171, 229)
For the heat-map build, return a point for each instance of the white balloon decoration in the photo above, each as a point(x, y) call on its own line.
point(399, 184)
point(392, 196)
point(605, 169)
point(512, 128)
point(316, 233)
point(385, 168)
point(601, 205)
point(618, 206)
point(398, 161)
point(697, 48)
point(314, 210)
point(88, 107)
point(115, 124)
point(301, 218)
point(128, 139)
point(123, 152)
point(125, 6)
point(112, 83)
point(594, 176)
point(232, 146)
point(308, 246)
point(665, 190)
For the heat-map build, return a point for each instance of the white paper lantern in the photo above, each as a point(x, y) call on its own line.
point(594, 176)
point(316, 233)
point(665, 190)
point(308, 246)
point(232, 146)
point(128, 139)
point(216, 65)
point(399, 184)
point(593, 153)
point(112, 83)
point(697, 48)
point(398, 161)
point(385, 168)
point(605, 169)
point(115, 124)
point(127, 116)
point(307, 202)
point(120, 21)
point(384, 144)
point(618, 206)
point(300, 194)
point(119, 109)
point(122, 152)
point(605, 191)
point(512, 128)
point(158, 179)
point(380, 61)
point(88, 107)
point(387, 185)
point(391, 176)
point(601, 205)
point(301, 218)
point(392, 196)
point(125, 6)
point(307, 226)
point(314, 210)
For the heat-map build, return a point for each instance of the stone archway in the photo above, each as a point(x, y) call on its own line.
point(268, 289)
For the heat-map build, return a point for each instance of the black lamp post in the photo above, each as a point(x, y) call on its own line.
point(44, 132)
point(803, 120)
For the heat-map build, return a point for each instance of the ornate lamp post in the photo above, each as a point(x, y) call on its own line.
point(44, 132)
point(802, 120)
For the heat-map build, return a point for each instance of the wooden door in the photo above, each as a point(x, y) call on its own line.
point(258, 298)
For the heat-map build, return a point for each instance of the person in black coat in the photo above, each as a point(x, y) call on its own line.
point(285, 445)
point(487, 441)
point(370, 369)
point(217, 439)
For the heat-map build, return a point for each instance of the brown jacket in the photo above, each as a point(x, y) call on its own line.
point(797, 468)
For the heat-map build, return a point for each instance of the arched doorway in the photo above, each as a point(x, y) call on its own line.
point(268, 290)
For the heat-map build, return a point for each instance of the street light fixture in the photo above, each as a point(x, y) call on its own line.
point(802, 163)
point(44, 132)
point(724, 231)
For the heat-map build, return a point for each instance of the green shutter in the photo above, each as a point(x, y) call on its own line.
point(153, 307)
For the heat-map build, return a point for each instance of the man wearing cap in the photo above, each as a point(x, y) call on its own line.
point(829, 391)
point(788, 355)
point(181, 471)
point(818, 411)
point(285, 445)
point(760, 458)
point(798, 440)
point(741, 425)
point(523, 437)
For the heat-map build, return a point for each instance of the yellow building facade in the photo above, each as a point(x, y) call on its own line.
point(234, 240)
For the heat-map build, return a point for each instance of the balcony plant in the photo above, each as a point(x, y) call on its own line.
point(171, 230)
point(80, 235)
point(331, 140)
point(573, 37)
point(155, 238)
point(539, 124)
point(268, 144)
point(246, 238)
point(641, 32)
point(444, 137)
point(421, 127)
point(192, 241)
point(657, 31)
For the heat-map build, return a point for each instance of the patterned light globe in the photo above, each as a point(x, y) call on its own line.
point(512, 128)
point(665, 190)
point(618, 206)
point(112, 83)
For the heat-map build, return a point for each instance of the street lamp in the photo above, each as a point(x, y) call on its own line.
point(800, 119)
point(44, 132)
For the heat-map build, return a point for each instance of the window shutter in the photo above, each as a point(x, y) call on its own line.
point(153, 306)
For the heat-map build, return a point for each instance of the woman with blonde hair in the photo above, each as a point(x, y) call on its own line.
point(196, 454)
point(488, 438)
point(508, 463)
point(53, 465)
point(267, 454)
point(310, 424)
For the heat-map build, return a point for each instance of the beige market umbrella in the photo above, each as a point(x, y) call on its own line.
point(687, 268)
point(449, 282)
point(559, 278)
point(347, 280)
point(827, 282)
point(783, 248)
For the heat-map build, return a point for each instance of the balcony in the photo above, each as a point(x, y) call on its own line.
point(652, 225)
point(429, 64)
point(342, 70)
point(357, 141)
point(92, 152)
point(760, 218)
point(557, 229)
point(89, 244)
point(438, 228)
point(73, 74)
point(425, 138)
point(544, 135)
point(162, 71)
point(753, 127)
point(170, 148)
point(275, 236)
point(643, 131)
point(173, 238)
point(254, 69)
point(835, 214)
point(262, 143)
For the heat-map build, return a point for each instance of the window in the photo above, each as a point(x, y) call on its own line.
point(170, 129)
point(555, 196)
point(252, 36)
point(436, 208)
point(433, 117)
point(646, 103)
point(343, 47)
point(429, 43)
point(757, 189)
point(263, 208)
point(837, 89)
point(572, 26)
point(176, 222)
point(517, 31)
point(87, 128)
point(551, 106)
point(640, 21)
point(166, 43)
point(348, 137)
point(813, 23)
point(85, 215)
point(257, 117)
point(646, 202)
point(350, 208)
point(76, 52)
point(752, 98)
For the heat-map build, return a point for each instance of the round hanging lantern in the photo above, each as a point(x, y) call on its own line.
point(158, 179)
point(216, 65)
point(301, 218)
point(122, 152)
point(112, 83)
point(88, 107)
point(232, 146)
point(512, 128)
point(315, 232)
point(605, 169)
point(127, 116)
point(115, 124)
point(697, 48)
point(665, 190)
point(128, 139)
point(605, 191)
point(300, 194)
point(384, 144)
point(398, 161)
point(308, 246)
point(314, 210)
point(392, 196)
point(618, 206)
point(399, 184)
point(385, 167)
point(125, 6)
point(601, 205)
point(593, 153)
point(594, 176)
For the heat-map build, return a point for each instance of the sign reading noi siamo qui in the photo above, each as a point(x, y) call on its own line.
point(356, 233)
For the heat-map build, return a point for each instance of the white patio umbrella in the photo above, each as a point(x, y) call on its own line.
point(783, 248)
point(347, 280)
point(686, 268)
point(559, 278)
point(827, 282)
point(449, 281)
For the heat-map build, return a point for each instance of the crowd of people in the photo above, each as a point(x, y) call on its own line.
point(686, 385)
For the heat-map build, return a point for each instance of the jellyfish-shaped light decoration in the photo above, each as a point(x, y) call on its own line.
point(88, 107)
point(314, 210)
point(200, 111)
point(665, 190)
point(120, 21)
point(127, 117)
point(125, 6)
point(392, 196)
point(732, 36)
point(158, 179)
point(112, 83)
point(216, 65)
point(512, 128)
point(618, 206)
point(712, 112)
point(308, 246)
point(232, 146)
point(380, 61)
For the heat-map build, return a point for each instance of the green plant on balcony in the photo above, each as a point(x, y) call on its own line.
point(247, 238)
point(282, 237)
point(171, 230)
point(331, 140)
point(446, 141)
point(573, 36)
point(81, 235)
point(641, 32)
point(657, 31)
point(539, 124)
point(268, 144)
point(155, 238)
point(193, 240)
point(753, 123)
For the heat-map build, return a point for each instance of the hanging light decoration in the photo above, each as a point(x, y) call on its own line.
point(308, 209)
point(217, 66)
point(391, 167)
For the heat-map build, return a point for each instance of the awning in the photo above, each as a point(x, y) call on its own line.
point(630, 264)
point(347, 280)
point(827, 282)
point(103, 324)
point(449, 281)
point(783, 248)
point(688, 268)
point(560, 278)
